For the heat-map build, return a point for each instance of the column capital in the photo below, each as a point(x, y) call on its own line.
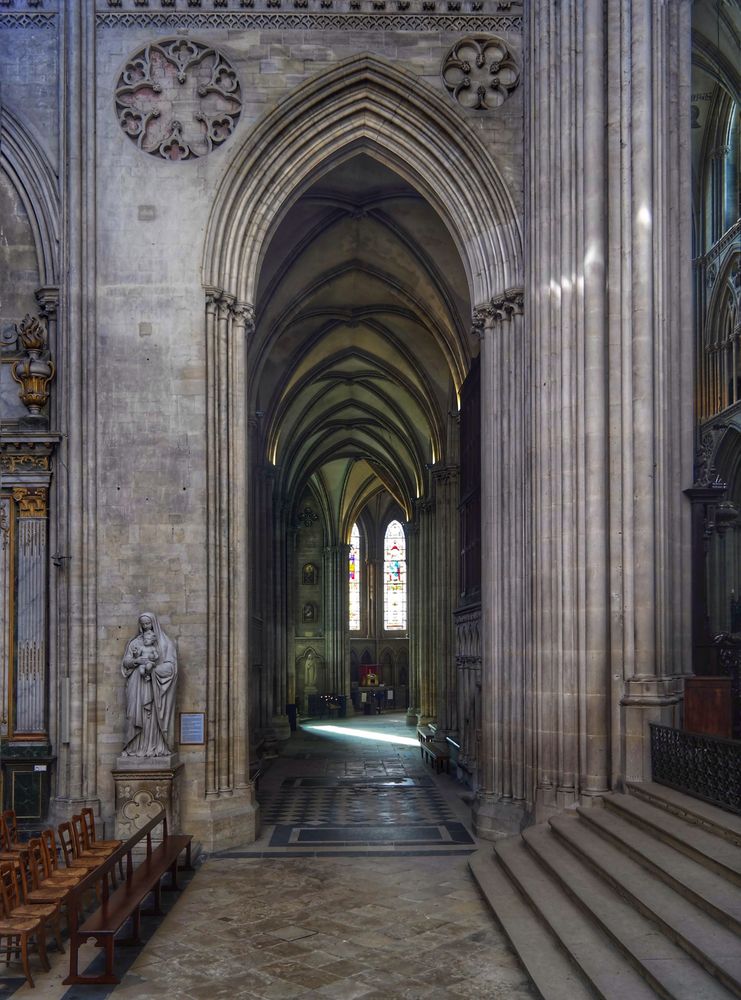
point(32, 501)
point(218, 302)
point(243, 314)
point(503, 307)
point(48, 299)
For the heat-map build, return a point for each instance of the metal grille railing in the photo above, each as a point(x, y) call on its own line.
point(707, 767)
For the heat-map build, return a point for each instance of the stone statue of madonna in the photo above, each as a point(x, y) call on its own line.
point(150, 666)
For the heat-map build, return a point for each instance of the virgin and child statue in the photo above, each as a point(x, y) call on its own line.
point(150, 666)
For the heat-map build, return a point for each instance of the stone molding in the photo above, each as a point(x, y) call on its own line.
point(37, 184)
point(23, 20)
point(341, 17)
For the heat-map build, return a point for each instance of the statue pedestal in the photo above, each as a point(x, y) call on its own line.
point(142, 791)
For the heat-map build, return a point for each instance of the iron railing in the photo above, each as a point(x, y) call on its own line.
point(708, 767)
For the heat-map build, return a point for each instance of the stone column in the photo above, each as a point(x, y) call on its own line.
point(229, 814)
point(29, 694)
point(610, 324)
point(74, 628)
point(414, 620)
point(445, 593)
point(501, 800)
point(337, 664)
point(427, 611)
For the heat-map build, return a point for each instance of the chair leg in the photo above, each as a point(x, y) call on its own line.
point(41, 944)
point(24, 959)
point(58, 931)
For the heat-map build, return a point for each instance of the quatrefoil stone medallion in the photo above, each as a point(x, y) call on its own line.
point(480, 72)
point(178, 99)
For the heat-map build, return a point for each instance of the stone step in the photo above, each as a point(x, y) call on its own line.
point(714, 820)
point(706, 889)
point(709, 849)
point(666, 967)
point(714, 946)
point(590, 950)
point(552, 972)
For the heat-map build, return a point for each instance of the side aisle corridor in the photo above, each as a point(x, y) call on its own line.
point(358, 887)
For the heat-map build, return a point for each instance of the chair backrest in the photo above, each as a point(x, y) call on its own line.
point(36, 865)
point(4, 835)
point(80, 835)
point(67, 840)
point(11, 824)
point(49, 847)
point(8, 888)
point(88, 822)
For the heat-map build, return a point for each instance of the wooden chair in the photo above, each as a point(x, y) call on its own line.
point(82, 847)
point(53, 874)
point(88, 820)
point(84, 830)
point(10, 849)
point(48, 910)
point(11, 825)
point(19, 930)
point(71, 858)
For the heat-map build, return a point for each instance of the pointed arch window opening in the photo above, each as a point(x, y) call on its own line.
point(353, 580)
point(394, 578)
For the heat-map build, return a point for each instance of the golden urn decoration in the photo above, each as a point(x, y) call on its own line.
point(34, 372)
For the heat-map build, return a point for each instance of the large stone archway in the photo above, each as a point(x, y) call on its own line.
point(365, 105)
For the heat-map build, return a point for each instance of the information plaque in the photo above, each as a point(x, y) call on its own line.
point(192, 728)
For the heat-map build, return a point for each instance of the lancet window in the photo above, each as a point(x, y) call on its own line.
point(394, 578)
point(353, 580)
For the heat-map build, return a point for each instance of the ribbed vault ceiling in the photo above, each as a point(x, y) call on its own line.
point(361, 341)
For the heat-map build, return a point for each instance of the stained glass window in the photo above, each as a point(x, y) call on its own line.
point(353, 579)
point(394, 577)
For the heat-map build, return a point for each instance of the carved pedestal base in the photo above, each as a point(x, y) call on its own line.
point(141, 793)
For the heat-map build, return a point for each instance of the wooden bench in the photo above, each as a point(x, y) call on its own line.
point(124, 902)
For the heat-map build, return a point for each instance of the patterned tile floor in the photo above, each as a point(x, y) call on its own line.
point(377, 905)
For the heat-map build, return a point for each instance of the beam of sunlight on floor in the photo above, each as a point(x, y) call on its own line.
point(363, 734)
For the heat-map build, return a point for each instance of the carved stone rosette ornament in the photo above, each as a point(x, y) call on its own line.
point(177, 99)
point(480, 72)
point(34, 372)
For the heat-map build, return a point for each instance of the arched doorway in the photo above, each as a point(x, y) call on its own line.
point(366, 107)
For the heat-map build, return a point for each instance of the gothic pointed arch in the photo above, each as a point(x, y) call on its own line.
point(364, 102)
point(23, 159)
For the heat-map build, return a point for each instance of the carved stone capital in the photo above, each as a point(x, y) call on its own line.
point(478, 322)
point(219, 303)
point(510, 303)
point(32, 502)
point(244, 316)
point(48, 300)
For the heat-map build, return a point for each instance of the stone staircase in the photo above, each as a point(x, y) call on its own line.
point(636, 897)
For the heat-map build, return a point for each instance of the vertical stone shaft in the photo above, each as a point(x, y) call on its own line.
point(240, 327)
point(427, 611)
point(444, 595)
point(414, 620)
point(76, 489)
point(335, 618)
point(504, 586)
